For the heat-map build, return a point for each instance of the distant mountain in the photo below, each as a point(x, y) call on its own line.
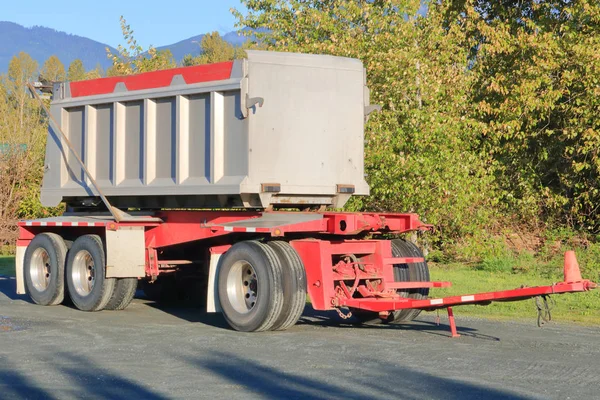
point(40, 43)
point(192, 45)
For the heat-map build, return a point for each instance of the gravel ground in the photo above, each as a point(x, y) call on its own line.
point(154, 352)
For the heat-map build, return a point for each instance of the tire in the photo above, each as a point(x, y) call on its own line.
point(44, 269)
point(250, 287)
point(293, 283)
point(414, 272)
point(122, 294)
point(86, 274)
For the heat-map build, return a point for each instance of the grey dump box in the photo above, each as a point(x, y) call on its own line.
point(275, 129)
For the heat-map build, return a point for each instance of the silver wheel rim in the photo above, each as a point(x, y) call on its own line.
point(40, 269)
point(242, 287)
point(83, 273)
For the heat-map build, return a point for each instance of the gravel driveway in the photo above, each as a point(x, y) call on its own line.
point(154, 352)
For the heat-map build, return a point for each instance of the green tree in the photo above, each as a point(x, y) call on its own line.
point(76, 71)
point(53, 70)
point(213, 49)
point(21, 70)
point(537, 94)
point(22, 140)
point(422, 150)
point(132, 59)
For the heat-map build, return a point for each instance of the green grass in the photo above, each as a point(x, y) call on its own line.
point(582, 308)
point(7, 265)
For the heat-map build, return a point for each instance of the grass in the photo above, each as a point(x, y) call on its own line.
point(7, 265)
point(581, 308)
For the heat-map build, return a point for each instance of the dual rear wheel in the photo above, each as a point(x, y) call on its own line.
point(262, 286)
point(50, 266)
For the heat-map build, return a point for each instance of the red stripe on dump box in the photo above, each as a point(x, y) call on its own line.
point(152, 80)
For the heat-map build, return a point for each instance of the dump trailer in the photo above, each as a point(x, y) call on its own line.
point(224, 175)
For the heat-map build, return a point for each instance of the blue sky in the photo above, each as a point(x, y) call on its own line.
point(154, 22)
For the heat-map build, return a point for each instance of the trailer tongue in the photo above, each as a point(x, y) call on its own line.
point(209, 157)
point(571, 283)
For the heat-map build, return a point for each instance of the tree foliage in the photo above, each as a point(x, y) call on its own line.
point(488, 107)
point(421, 153)
point(133, 59)
point(76, 71)
point(214, 49)
point(537, 95)
point(22, 140)
point(53, 70)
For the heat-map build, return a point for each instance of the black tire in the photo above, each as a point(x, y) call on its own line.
point(243, 311)
point(44, 269)
point(122, 294)
point(294, 285)
point(414, 272)
point(87, 254)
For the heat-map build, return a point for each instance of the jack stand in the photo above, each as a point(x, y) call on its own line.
point(452, 323)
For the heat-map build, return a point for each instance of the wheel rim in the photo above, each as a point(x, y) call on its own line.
point(242, 287)
point(40, 269)
point(83, 273)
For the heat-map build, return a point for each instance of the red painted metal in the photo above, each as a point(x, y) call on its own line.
point(219, 249)
point(153, 80)
point(152, 267)
point(452, 323)
point(317, 261)
point(417, 285)
point(338, 223)
point(398, 302)
point(188, 226)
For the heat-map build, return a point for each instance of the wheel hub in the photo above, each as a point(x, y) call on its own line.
point(83, 273)
point(242, 287)
point(41, 270)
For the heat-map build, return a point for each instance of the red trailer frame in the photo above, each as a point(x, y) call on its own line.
point(347, 263)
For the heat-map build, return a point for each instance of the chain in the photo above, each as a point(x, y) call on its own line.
point(543, 307)
point(342, 315)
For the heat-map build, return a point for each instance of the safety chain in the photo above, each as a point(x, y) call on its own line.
point(342, 315)
point(543, 307)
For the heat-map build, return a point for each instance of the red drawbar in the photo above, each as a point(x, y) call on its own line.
point(152, 80)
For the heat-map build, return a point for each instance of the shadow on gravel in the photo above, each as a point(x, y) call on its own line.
point(18, 386)
point(332, 319)
point(186, 311)
point(88, 380)
point(85, 380)
point(385, 381)
point(8, 287)
point(311, 317)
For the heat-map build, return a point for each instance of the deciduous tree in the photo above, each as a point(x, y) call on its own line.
point(53, 70)
point(76, 71)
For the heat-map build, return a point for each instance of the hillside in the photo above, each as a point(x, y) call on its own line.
point(40, 43)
